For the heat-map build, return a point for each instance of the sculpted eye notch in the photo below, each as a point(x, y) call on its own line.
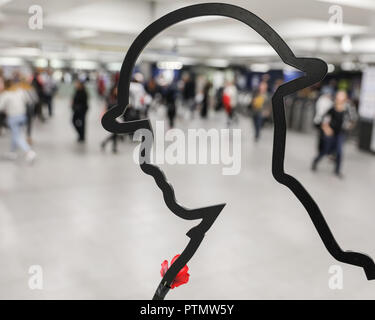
point(314, 70)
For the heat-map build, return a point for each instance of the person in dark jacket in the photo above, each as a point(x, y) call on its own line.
point(170, 100)
point(38, 87)
point(206, 98)
point(188, 93)
point(335, 123)
point(80, 107)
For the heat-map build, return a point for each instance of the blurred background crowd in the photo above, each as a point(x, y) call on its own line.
point(182, 92)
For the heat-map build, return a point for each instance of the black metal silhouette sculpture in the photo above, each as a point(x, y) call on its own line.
point(314, 70)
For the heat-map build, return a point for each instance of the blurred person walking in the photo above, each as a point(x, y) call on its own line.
point(38, 87)
point(49, 89)
point(31, 99)
point(219, 99)
point(2, 113)
point(170, 100)
point(152, 91)
point(188, 93)
point(335, 122)
point(230, 101)
point(206, 100)
point(323, 105)
point(1, 80)
point(258, 106)
point(137, 95)
point(101, 88)
point(111, 101)
point(13, 102)
point(80, 107)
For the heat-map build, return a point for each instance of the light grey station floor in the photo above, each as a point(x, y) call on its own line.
point(99, 228)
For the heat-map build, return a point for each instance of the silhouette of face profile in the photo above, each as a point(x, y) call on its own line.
point(314, 71)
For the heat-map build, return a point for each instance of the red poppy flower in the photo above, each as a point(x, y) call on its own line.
point(181, 278)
